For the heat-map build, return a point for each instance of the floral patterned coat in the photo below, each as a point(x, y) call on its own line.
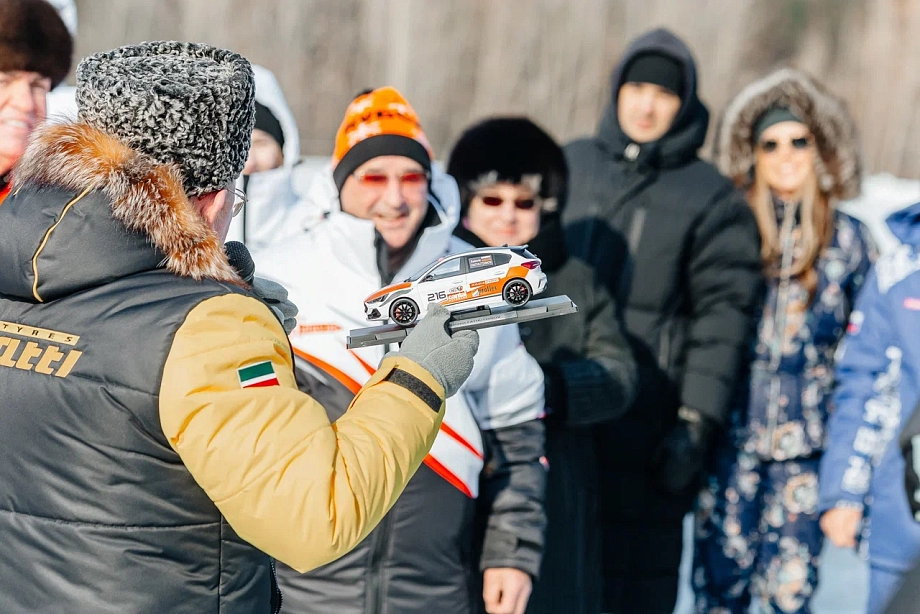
point(792, 374)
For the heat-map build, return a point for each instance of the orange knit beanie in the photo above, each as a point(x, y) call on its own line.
point(378, 123)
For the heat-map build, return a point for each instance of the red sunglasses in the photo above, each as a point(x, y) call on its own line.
point(524, 204)
point(412, 179)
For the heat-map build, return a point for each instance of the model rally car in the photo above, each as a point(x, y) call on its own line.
point(476, 279)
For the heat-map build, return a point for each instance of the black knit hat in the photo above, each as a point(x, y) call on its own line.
point(508, 149)
point(268, 123)
point(33, 38)
point(658, 68)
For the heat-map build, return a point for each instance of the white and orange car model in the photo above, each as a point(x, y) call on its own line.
point(476, 279)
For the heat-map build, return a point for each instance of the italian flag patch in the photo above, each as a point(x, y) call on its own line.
point(259, 375)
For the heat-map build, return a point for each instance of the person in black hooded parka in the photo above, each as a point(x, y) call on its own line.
point(512, 179)
point(680, 248)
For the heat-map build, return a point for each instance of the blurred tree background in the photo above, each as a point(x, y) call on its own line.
point(460, 60)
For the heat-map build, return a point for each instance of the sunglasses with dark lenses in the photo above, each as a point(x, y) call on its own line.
point(412, 179)
point(524, 204)
point(800, 143)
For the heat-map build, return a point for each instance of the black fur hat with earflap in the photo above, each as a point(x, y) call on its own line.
point(513, 150)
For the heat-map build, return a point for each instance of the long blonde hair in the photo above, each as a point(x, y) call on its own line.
point(816, 226)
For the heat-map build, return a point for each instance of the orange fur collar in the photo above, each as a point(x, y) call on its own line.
point(145, 195)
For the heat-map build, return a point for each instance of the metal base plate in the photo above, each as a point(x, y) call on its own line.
point(468, 320)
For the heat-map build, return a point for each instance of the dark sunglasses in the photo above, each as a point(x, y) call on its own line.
point(524, 204)
point(800, 143)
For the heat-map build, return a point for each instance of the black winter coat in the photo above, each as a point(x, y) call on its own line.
point(98, 512)
point(590, 379)
point(679, 246)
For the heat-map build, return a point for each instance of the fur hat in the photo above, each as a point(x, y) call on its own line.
point(838, 163)
point(378, 123)
point(188, 104)
point(33, 38)
point(508, 149)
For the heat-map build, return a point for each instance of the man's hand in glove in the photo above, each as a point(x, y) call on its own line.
point(276, 297)
point(679, 458)
point(449, 358)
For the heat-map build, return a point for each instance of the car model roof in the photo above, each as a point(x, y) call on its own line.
point(513, 248)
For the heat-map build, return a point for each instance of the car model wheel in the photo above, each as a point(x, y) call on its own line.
point(404, 311)
point(517, 292)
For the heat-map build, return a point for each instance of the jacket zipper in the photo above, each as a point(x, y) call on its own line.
point(664, 346)
point(275, 586)
point(381, 541)
point(636, 226)
point(779, 320)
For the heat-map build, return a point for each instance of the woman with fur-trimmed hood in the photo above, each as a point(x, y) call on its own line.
point(792, 146)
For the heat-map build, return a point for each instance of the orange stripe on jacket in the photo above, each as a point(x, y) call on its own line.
point(430, 460)
point(371, 370)
point(459, 439)
point(339, 375)
point(448, 475)
point(4, 192)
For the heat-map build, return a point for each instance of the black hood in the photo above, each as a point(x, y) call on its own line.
point(687, 133)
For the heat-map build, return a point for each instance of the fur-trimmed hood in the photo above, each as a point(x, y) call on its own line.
point(839, 164)
point(87, 209)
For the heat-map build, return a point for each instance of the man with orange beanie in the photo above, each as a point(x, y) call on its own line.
point(35, 53)
point(383, 211)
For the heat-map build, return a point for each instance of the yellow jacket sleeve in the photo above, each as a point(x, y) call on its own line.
point(300, 489)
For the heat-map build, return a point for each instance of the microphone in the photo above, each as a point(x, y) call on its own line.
point(240, 260)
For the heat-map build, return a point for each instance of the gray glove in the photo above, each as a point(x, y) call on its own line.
point(449, 358)
point(276, 297)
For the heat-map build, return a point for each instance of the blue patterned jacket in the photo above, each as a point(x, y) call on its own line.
point(877, 373)
point(791, 377)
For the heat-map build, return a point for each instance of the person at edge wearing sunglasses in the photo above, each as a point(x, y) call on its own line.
point(513, 180)
point(387, 211)
point(792, 147)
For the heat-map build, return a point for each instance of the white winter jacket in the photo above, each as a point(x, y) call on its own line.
point(330, 269)
point(273, 201)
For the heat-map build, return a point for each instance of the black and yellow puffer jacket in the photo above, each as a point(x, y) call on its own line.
point(157, 454)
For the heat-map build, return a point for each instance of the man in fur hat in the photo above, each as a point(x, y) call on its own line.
point(158, 452)
point(35, 52)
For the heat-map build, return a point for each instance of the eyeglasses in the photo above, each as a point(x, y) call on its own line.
point(524, 204)
point(240, 202)
point(800, 143)
point(411, 179)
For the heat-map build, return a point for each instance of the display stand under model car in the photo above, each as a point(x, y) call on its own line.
point(485, 287)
